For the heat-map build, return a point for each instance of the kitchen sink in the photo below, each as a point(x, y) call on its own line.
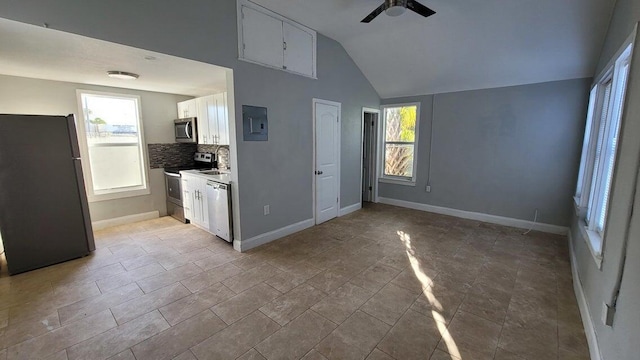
point(214, 172)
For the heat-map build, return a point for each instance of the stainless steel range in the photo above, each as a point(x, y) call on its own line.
point(203, 161)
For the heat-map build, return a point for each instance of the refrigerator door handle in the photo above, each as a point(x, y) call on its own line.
point(73, 136)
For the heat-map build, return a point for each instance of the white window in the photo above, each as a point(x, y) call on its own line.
point(112, 146)
point(601, 139)
point(399, 141)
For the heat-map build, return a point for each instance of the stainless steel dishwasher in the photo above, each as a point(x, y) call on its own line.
point(219, 203)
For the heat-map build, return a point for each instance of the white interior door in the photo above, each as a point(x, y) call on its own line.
point(327, 139)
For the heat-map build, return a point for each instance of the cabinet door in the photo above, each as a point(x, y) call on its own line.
point(197, 206)
point(182, 110)
point(187, 200)
point(204, 136)
point(187, 109)
point(222, 119)
point(298, 52)
point(212, 118)
point(204, 222)
point(207, 123)
point(262, 37)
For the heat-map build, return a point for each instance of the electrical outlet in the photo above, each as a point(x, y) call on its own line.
point(428, 188)
point(266, 209)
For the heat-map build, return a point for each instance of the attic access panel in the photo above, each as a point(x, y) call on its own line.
point(255, 125)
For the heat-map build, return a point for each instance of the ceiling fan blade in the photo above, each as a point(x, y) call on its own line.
point(375, 13)
point(419, 8)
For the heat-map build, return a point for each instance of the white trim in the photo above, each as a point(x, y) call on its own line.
point(262, 239)
point(381, 147)
point(583, 306)
point(592, 239)
point(123, 220)
point(315, 101)
point(397, 181)
point(233, 155)
point(493, 219)
point(349, 209)
point(374, 183)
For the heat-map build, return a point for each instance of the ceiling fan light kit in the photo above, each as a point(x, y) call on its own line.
point(397, 8)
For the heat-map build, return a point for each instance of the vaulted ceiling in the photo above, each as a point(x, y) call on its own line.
point(467, 44)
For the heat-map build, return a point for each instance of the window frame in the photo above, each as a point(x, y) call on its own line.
point(589, 197)
point(120, 193)
point(391, 179)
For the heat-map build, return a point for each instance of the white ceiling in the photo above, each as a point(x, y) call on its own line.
point(467, 44)
point(36, 52)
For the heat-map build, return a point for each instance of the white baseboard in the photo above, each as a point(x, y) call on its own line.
point(349, 209)
point(587, 322)
point(494, 219)
point(103, 224)
point(244, 245)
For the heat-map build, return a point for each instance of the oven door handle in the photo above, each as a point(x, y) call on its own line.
point(171, 174)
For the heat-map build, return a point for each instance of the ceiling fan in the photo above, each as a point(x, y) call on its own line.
point(398, 7)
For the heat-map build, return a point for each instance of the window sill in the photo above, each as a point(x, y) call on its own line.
point(117, 195)
point(594, 242)
point(397, 181)
point(580, 211)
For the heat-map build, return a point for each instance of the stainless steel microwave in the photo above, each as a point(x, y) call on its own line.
point(185, 130)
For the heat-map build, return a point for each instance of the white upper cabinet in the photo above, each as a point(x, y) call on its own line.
point(298, 50)
point(206, 109)
point(212, 118)
point(269, 39)
point(262, 38)
point(222, 119)
point(187, 109)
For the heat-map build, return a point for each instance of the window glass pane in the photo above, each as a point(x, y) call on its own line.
point(400, 124)
point(112, 129)
point(593, 200)
point(398, 160)
point(114, 167)
point(612, 145)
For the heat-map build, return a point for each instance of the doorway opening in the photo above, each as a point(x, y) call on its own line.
point(369, 158)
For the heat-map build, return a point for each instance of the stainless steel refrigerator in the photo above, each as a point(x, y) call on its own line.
point(44, 213)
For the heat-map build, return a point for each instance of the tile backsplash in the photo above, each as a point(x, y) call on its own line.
point(223, 153)
point(171, 154)
point(178, 154)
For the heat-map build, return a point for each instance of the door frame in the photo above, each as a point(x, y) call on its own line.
point(315, 101)
point(374, 169)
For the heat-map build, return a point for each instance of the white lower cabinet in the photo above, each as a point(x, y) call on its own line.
point(187, 201)
point(195, 200)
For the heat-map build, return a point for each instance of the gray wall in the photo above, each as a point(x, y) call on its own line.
point(277, 172)
point(43, 97)
point(619, 342)
point(502, 151)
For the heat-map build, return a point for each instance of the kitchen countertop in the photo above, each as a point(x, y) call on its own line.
point(221, 178)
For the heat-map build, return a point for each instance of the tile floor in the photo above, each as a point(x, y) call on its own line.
point(381, 283)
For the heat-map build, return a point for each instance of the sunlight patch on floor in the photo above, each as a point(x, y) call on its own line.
point(426, 282)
